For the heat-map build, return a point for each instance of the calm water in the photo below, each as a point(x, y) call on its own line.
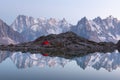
point(26, 66)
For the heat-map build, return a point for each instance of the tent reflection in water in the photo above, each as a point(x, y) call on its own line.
point(47, 43)
point(45, 54)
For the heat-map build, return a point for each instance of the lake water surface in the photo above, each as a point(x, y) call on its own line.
point(26, 66)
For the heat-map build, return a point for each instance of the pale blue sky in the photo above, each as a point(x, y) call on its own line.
point(72, 10)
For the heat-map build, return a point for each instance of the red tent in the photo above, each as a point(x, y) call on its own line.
point(45, 54)
point(45, 43)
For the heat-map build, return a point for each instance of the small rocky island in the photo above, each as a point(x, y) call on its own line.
point(69, 44)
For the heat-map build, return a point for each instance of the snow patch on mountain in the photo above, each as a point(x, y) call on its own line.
point(98, 30)
point(32, 28)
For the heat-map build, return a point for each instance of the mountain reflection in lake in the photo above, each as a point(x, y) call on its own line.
point(108, 61)
point(28, 60)
point(98, 66)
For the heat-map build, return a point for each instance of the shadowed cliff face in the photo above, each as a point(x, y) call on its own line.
point(8, 35)
point(67, 45)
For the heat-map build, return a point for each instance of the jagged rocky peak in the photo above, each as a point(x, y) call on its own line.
point(84, 20)
point(32, 28)
point(83, 23)
point(52, 21)
point(24, 19)
point(98, 20)
point(110, 17)
point(22, 22)
point(28, 20)
point(41, 20)
point(64, 21)
point(21, 16)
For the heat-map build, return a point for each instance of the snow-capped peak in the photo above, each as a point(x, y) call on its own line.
point(52, 21)
point(32, 28)
point(98, 29)
point(110, 17)
point(98, 20)
point(84, 20)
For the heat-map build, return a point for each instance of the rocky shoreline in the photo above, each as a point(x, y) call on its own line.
point(68, 44)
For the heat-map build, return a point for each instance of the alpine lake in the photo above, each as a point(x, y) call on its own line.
point(27, 66)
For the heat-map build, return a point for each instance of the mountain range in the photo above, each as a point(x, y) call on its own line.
point(8, 35)
point(99, 30)
point(27, 28)
point(32, 28)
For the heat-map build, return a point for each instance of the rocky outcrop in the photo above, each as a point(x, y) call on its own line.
point(69, 44)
